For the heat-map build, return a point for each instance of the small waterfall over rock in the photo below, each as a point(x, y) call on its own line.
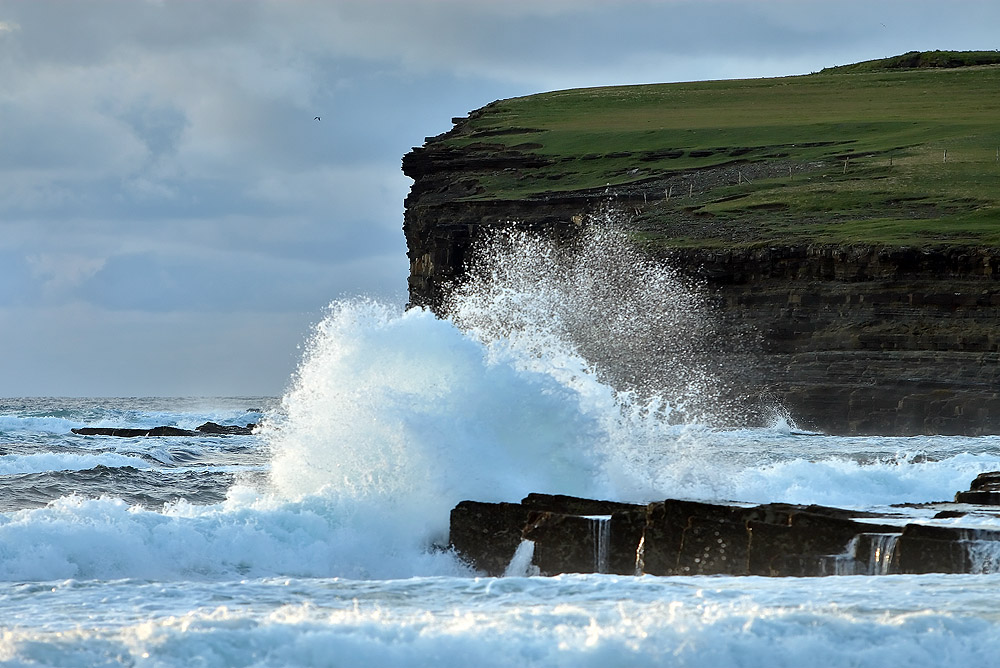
point(520, 565)
point(883, 547)
point(640, 557)
point(983, 551)
point(867, 554)
point(601, 534)
point(847, 563)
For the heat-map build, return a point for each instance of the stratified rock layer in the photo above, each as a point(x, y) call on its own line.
point(679, 537)
point(865, 340)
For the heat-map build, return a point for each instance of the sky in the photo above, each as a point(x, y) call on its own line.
point(173, 219)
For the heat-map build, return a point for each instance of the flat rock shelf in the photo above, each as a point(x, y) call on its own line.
point(563, 534)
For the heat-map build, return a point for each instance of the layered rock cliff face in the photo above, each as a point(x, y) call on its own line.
point(850, 339)
point(868, 340)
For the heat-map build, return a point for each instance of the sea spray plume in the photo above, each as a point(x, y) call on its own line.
point(634, 321)
point(394, 418)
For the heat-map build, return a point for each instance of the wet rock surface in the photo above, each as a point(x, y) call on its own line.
point(984, 490)
point(683, 537)
point(230, 429)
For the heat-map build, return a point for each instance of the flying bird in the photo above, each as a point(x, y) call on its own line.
point(316, 119)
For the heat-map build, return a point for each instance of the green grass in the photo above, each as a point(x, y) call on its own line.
point(794, 133)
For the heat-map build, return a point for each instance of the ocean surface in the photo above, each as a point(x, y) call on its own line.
point(318, 541)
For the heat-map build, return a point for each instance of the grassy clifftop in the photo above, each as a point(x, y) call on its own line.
point(921, 59)
point(879, 155)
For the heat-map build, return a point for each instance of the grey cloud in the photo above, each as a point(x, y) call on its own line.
point(167, 200)
point(85, 33)
point(555, 45)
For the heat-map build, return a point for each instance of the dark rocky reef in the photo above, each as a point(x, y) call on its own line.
point(679, 537)
point(207, 429)
point(850, 339)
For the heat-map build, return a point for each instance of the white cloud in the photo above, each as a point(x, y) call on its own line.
point(63, 271)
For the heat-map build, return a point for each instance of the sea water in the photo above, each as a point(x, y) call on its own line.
point(320, 540)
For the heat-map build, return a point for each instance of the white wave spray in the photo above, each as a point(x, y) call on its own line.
point(635, 323)
point(577, 369)
point(397, 417)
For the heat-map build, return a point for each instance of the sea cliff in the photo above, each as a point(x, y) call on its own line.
point(871, 309)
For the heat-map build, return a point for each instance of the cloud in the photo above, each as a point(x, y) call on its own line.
point(163, 184)
point(63, 271)
point(547, 45)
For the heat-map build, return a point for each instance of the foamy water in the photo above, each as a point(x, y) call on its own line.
point(319, 541)
point(599, 621)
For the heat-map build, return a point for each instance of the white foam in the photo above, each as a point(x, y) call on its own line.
point(248, 536)
point(843, 482)
point(586, 621)
point(56, 461)
point(397, 417)
point(42, 424)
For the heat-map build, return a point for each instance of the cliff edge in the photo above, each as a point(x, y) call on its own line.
point(846, 222)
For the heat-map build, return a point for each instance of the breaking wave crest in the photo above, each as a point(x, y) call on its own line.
point(539, 379)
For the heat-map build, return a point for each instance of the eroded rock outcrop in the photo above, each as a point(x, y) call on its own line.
point(984, 490)
point(680, 537)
